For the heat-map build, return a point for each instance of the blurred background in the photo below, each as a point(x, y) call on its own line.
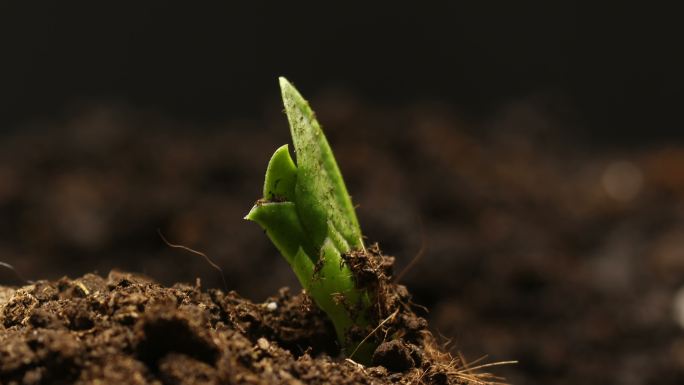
point(533, 149)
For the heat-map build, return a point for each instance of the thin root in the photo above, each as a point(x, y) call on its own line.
point(16, 273)
point(467, 372)
point(391, 316)
point(201, 254)
point(419, 254)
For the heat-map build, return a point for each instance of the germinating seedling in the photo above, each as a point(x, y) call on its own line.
point(308, 214)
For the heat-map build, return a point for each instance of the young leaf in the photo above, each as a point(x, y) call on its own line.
point(281, 176)
point(322, 199)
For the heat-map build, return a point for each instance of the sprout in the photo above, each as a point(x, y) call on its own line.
point(308, 215)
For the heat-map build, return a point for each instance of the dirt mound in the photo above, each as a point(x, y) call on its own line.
point(126, 328)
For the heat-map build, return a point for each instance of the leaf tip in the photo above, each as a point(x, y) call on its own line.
point(250, 215)
point(285, 86)
point(291, 97)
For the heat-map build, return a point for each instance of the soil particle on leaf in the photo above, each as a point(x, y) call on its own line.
point(127, 329)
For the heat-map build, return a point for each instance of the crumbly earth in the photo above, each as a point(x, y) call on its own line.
point(127, 329)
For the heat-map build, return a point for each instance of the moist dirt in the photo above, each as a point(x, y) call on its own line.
point(528, 253)
point(127, 329)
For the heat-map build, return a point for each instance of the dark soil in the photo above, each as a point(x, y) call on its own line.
point(127, 329)
point(539, 246)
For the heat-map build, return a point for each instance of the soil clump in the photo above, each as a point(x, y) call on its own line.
point(127, 329)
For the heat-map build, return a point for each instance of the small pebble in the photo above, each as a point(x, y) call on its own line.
point(263, 343)
point(271, 306)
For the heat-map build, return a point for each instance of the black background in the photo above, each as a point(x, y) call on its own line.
point(612, 69)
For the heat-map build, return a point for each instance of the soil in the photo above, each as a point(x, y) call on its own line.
point(537, 246)
point(127, 329)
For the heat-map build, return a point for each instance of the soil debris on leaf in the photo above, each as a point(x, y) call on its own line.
point(126, 328)
point(392, 311)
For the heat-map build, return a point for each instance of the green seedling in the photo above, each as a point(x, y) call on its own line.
point(308, 215)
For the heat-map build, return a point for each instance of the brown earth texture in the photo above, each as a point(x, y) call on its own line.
point(538, 245)
point(128, 329)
